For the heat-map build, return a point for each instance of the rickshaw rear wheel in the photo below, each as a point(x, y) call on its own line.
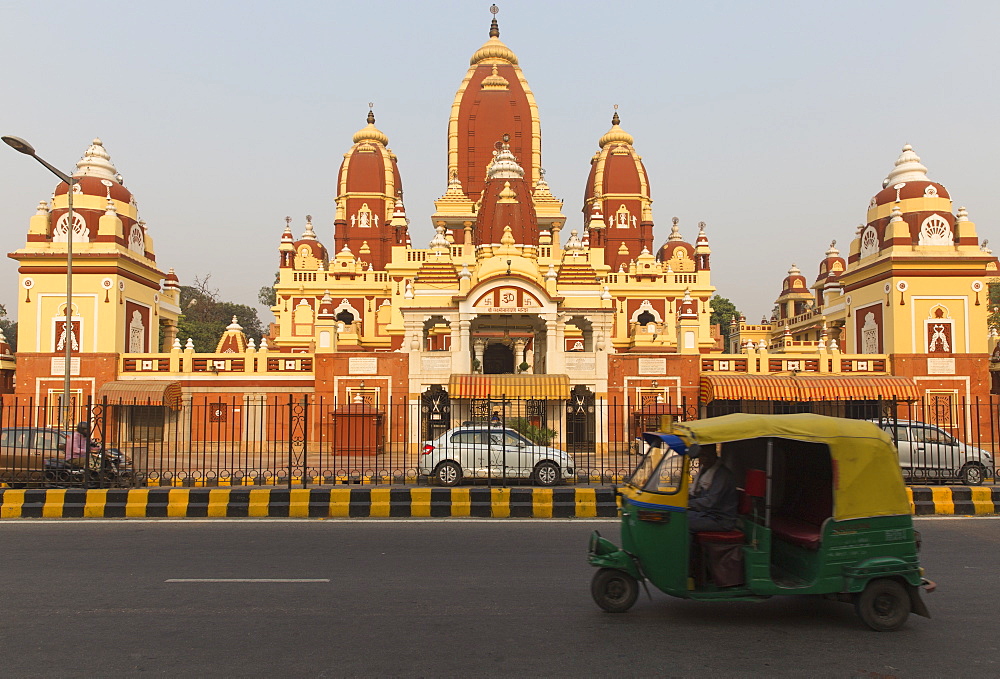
point(613, 590)
point(884, 605)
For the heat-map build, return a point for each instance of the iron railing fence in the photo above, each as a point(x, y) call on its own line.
point(300, 440)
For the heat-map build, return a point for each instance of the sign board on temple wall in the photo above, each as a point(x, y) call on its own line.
point(652, 366)
point(507, 300)
point(363, 365)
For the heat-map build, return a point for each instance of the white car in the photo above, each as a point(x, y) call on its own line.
point(481, 451)
point(929, 452)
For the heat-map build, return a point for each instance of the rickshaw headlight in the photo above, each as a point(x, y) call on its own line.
point(600, 546)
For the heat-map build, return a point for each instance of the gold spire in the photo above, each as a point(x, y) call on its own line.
point(616, 134)
point(370, 132)
point(493, 49)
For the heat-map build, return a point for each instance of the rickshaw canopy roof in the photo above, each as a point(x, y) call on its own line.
point(866, 477)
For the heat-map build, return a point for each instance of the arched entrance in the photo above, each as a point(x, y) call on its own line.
point(498, 359)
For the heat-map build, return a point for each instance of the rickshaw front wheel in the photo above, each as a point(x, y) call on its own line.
point(884, 605)
point(613, 590)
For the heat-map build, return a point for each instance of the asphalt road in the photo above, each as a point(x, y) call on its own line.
point(452, 598)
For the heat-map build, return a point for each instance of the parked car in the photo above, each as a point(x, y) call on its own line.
point(492, 452)
point(927, 452)
point(23, 451)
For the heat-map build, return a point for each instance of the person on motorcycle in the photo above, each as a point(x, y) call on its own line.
point(79, 446)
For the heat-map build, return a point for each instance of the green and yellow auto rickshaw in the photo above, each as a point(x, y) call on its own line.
point(823, 510)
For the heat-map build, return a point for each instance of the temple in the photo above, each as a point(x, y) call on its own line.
point(510, 302)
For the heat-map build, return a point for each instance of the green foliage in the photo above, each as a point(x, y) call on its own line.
point(993, 320)
point(9, 328)
point(723, 312)
point(541, 436)
point(205, 316)
point(266, 295)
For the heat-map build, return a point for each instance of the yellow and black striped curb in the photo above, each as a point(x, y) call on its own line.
point(389, 502)
point(954, 500)
point(310, 502)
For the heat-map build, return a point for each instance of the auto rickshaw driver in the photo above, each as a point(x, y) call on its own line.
point(713, 502)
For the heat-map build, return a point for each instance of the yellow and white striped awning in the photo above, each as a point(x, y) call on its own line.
point(540, 387)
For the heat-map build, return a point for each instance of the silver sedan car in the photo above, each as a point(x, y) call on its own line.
point(479, 452)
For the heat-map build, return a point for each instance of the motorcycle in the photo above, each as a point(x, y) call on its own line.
point(106, 468)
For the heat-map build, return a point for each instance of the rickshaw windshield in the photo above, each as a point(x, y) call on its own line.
point(660, 471)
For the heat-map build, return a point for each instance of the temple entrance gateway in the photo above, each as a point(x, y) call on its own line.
point(498, 359)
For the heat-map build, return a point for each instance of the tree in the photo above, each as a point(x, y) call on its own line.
point(9, 328)
point(204, 316)
point(266, 295)
point(993, 320)
point(723, 312)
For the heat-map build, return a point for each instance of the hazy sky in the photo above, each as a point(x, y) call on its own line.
point(773, 122)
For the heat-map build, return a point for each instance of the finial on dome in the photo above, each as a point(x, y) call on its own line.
point(310, 232)
point(504, 163)
point(370, 132)
point(616, 133)
point(907, 168)
point(494, 26)
point(96, 162)
point(439, 240)
point(833, 251)
point(675, 230)
point(794, 271)
point(963, 215)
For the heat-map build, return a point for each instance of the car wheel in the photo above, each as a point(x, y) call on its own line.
point(972, 474)
point(613, 590)
point(448, 474)
point(884, 605)
point(546, 474)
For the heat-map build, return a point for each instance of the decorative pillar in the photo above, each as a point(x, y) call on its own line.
point(552, 355)
point(519, 353)
point(479, 346)
point(254, 419)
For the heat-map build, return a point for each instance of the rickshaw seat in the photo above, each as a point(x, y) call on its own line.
point(802, 523)
point(797, 532)
point(719, 554)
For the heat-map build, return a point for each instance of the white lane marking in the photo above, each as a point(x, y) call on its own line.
point(247, 580)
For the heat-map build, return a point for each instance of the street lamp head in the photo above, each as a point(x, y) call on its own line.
point(19, 144)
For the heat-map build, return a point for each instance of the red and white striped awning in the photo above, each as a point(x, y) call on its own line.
point(141, 393)
point(807, 388)
point(540, 387)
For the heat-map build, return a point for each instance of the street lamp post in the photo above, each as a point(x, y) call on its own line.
point(24, 147)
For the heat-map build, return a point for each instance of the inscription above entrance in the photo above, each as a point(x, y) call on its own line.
point(507, 300)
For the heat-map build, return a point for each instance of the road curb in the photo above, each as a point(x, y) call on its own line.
point(310, 502)
point(427, 502)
